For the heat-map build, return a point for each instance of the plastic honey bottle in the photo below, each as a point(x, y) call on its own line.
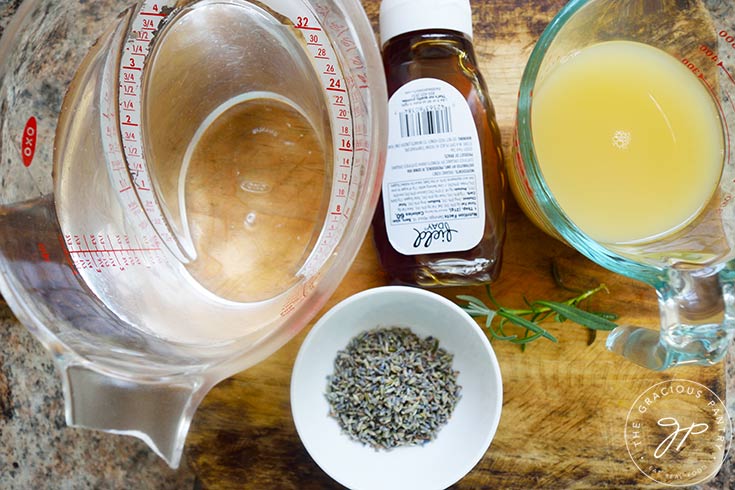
point(441, 217)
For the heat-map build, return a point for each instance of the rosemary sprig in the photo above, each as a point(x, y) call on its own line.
point(537, 312)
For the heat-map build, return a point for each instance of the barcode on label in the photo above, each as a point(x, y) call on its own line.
point(430, 121)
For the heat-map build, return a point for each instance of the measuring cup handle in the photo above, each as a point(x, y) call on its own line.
point(697, 322)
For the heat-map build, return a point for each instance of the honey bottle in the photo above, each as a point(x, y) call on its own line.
point(441, 216)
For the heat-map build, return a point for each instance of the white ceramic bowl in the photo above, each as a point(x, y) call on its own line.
point(459, 445)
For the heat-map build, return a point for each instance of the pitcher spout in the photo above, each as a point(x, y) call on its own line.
point(159, 413)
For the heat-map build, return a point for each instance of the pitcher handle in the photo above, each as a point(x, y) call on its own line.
point(697, 322)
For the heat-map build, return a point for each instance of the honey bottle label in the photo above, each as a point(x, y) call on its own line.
point(433, 195)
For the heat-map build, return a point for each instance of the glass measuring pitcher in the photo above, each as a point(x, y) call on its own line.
point(623, 150)
point(183, 185)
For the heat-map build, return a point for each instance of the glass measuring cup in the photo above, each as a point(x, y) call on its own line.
point(184, 184)
point(689, 261)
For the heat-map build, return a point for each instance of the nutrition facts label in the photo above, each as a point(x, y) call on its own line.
point(442, 198)
point(432, 190)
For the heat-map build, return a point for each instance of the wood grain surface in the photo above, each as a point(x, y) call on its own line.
point(565, 404)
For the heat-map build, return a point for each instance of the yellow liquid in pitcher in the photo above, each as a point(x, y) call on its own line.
point(629, 141)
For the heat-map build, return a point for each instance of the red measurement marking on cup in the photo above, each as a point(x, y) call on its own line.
point(128, 122)
point(324, 33)
point(305, 23)
point(724, 202)
point(712, 56)
point(28, 147)
point(153, 14)
point(728, 38)
point(335, 85)
point(700, 74)
point(134, 176)
point(104, 252)
point(314, 40)
point(729, 75)
point(298, 295)
point(69, 262)
point(43, 252)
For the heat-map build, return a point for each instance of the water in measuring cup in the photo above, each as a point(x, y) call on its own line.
point(249, 177)
point(629, 141)
point(252, 188)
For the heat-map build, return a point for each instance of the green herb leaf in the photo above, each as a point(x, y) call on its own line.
point(527, 324)
point(472, 300)
point(577, 315)
point(531, 318)
point(606, 315)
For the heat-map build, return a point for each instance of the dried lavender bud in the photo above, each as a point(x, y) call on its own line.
point(391, 388)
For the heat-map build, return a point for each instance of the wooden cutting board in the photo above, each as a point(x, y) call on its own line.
point(565, 405)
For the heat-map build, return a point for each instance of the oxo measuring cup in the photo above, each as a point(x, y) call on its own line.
point(183, 185)
point(633, 166)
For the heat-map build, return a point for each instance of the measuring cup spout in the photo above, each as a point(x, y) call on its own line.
point(697, 322)
point(159, 413)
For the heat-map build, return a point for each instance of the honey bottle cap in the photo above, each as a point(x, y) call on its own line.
point(400, 16)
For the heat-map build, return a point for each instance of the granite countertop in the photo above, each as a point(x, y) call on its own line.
point(39, 451)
